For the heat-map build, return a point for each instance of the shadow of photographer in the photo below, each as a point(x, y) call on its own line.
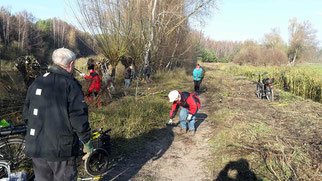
point(237, 171)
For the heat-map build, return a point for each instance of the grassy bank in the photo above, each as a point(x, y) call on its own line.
point(255, 138)
point(304, 81)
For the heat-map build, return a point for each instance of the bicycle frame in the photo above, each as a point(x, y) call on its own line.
point(264, 87)
point(93, 165)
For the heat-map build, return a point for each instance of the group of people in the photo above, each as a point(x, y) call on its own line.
point(189, 103)
point(56, 114)
point(130, 74)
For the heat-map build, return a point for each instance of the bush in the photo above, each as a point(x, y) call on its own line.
point(273, 57)
point(248, 56)
point(254, 55)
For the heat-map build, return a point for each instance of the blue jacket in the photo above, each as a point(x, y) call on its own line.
point(197, 74)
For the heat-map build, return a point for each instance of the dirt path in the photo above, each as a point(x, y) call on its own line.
point(185, 159)
point(171, 156)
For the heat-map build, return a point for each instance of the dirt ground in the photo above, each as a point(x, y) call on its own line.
point(178, 156)
point(171, 155)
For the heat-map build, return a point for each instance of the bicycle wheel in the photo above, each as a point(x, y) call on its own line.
point(97, 163)
point(12, 150)
point(269, 94)
point(259, 90)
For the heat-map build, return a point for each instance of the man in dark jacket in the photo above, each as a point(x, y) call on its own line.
point(190, 104)
point(147, 72)
point(128, 74)
point(57, 117)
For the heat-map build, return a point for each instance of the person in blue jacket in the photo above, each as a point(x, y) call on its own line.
point(197, 76)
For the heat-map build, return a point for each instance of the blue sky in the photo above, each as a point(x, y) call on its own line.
point(251, 19)
point(235, 20)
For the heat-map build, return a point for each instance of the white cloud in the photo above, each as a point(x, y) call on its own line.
point(319, 13)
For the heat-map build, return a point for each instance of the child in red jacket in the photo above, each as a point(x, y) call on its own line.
point(95, 86)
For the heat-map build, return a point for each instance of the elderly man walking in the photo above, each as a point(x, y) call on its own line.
point(57, 117)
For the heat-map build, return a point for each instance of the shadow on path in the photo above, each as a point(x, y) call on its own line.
point(160, 141)
point(241, 166)
point(127, 168)
point(200, 117)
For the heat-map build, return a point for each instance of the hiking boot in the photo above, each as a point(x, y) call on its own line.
point(183, 131)
point(191, 132)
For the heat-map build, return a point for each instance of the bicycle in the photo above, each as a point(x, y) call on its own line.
point(264, 87)
point(12, 146)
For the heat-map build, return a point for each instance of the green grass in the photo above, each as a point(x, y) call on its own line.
point(134, 119)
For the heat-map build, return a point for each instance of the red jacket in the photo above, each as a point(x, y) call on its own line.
point(188, 101)
point(95, 81)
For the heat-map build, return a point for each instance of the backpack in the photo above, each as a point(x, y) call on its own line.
point(203, 72)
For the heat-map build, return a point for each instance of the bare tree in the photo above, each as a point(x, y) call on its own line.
point(273, 39)
point(143, 30)
point(103, 19)
point(302, 36)
point(60, 30)
point(5, 16)
point(24, 28)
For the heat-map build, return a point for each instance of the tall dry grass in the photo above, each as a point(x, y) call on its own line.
point(304, 81)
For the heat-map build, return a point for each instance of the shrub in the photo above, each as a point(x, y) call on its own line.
point(248, 56)
point(273, 57)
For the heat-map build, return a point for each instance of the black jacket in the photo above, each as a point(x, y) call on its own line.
point(127, 73)
point(56, 115)
point(147, 70)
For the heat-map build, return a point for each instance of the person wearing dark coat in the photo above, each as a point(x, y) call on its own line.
point(147, 73)
point(128, 75)
point(57, 119)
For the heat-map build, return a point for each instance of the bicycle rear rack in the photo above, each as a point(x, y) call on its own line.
point(11, 130)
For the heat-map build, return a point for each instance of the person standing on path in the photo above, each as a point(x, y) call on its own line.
point(190, 104)
point(197, 76)
point(57, 117)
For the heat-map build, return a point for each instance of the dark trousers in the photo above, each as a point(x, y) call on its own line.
point(197, 85)
point(147, 77)
point(55, 170)
point(90, 96)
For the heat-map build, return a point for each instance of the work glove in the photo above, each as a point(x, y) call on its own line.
point(82, 74)
point(189, 117)
point(170, 121)
point(88, 149)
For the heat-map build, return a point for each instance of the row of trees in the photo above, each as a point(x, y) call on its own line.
point(271, 50)
point(154, 32)
point(22, 34)
point(135, 32)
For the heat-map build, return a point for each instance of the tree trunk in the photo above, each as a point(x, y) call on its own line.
point(113, 73)
point(146, 61)
point(294, 58)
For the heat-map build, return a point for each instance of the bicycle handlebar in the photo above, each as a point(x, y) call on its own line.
point(21, 129)
point(263, 73)
point(11, 130)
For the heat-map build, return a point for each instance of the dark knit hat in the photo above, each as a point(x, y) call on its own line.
point(90, 67)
